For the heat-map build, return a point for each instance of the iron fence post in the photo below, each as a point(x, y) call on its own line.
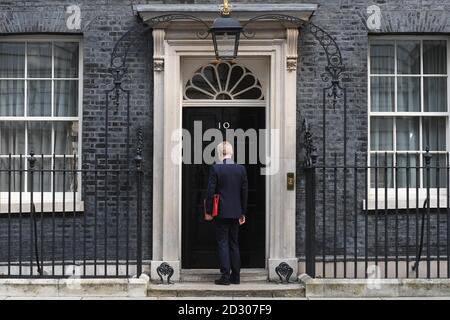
point(310, 227)
point(138, 163)
point(428, 182)
point(31, 163)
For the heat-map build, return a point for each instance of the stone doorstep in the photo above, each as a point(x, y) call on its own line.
point(138, 288)
point(209, 275)
point(307, 287)
point(372, 288)
point(73, 287)
point(249, 289)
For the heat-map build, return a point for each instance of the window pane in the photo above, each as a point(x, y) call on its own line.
point(39, 98)
point(12, 60)
point(223, 71)
point(251, 94)
point(246, 82)
point(408, 94)
point(66, 138)
point(66, 98)
point(407, 133)
point(381, 170)
point(192, 93)
point(12, 94)
point(435, 57)
point(199, 81)
point(403, 172)
point(434, 132)
point(438, 170)
point(382, 57)
point(435, 94)
point(67, 182)
point(209, 73)
point(12, 137)
point(66, 59)
point(39, 57)
point(11, 182)
point(408, 57)
point(39, 137)
point(40, 180)
point(381, 137)
point(225, 44)
point(382, 94)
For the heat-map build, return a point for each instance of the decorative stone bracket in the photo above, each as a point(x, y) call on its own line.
point(158, 49)
point(291, 46)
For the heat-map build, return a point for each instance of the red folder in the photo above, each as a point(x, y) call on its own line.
point(215, 206)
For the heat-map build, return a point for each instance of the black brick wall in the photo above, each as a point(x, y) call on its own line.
point(345, 21)
point(103, 23)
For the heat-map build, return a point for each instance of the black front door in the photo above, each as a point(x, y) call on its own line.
point(198, 238)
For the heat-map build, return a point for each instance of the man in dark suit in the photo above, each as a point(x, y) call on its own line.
point(229, 180)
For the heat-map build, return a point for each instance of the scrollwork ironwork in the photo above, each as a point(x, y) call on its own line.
point(119, 70)
point(140, 141)
point(335, 69)
point(165, 270)
point(284, 272)
point(121, 48)
point(139, 148)
point(307, 146)
point(118, 61)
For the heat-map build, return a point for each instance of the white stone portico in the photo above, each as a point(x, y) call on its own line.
point(177, 42)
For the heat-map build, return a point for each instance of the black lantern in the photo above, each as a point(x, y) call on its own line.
point(225, 32)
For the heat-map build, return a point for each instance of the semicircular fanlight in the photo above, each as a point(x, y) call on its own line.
point(223, 81)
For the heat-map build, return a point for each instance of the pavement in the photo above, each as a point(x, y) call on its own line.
point(216, 298)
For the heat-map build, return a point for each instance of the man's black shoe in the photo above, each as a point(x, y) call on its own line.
point(222, 282)
point(235, 281)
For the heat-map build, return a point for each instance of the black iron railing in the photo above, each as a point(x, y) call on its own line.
point(70, 219)
point(387, 218)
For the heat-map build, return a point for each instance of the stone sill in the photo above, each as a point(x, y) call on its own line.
point(134, 287)
point(402, 202)
point(68, 206)
point(370, 288)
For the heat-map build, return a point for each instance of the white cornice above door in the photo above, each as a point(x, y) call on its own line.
point(241, 11)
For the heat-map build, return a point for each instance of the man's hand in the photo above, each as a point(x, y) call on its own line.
point(208, 217)
point(241, 220)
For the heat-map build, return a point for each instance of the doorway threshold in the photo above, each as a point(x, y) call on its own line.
point(209, 275)
point(192, 290)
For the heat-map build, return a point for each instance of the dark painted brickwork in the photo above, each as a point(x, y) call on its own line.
point(345, 21)
point(103, 22)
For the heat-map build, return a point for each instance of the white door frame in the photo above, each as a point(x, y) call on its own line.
point(261, 69)
point(168, 89)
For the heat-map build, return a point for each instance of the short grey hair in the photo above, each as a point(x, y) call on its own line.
point(224, 150)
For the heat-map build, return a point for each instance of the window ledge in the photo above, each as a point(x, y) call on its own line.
point(57, 207)
point(401, 202)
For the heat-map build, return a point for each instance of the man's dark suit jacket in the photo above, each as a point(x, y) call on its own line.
point(229, 180)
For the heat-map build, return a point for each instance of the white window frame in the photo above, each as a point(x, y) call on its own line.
point(401, 196)
point(20, 201)
point(219, 90)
